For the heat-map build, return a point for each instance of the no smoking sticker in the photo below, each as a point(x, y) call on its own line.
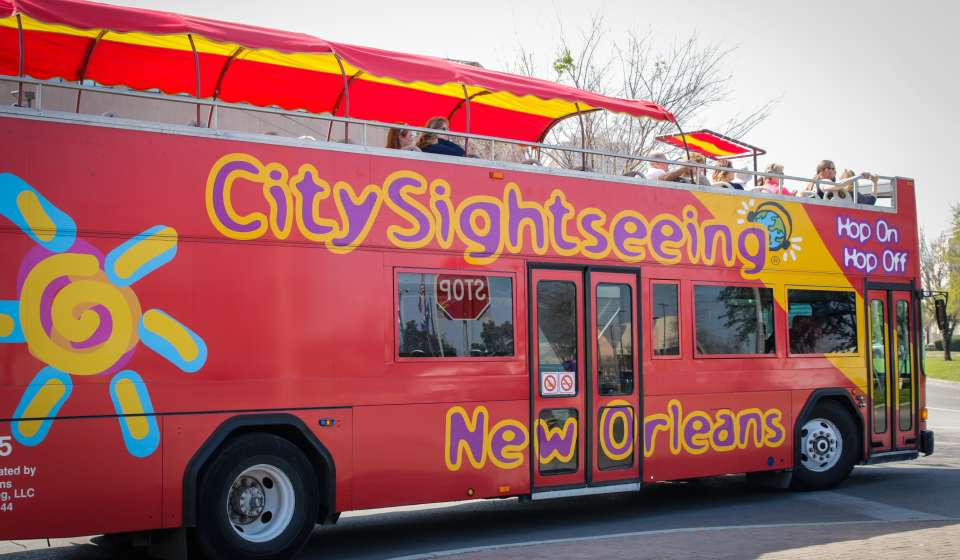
point(557, 383)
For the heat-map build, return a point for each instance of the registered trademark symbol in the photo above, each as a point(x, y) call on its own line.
point(776, 260)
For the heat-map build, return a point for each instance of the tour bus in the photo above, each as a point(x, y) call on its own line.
point(228, 314)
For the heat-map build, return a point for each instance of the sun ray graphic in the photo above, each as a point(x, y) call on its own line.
point(77, 313)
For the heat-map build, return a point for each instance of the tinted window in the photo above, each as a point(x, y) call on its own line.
point(558, 433)
point(878, 352)
point(449, 315)
point(666, 320)
point(904, 369)
point(615, 437)
point(822, 322)
point(557, 325)
point(734, 320)
point(614, 339)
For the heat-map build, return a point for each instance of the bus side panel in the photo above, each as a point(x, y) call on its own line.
point(411, 454)
point(184, 436)
point(705, 435)
point(80, 481)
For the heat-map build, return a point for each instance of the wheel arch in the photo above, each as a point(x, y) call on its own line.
point(287, 426)
point(835, 394)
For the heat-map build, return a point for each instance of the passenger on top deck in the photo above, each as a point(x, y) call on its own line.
point(694, 175)
point(773, 185)
point(433, 144)
point(845, 194)
point(657, 168)
point(828, 183)
point(402, 139)
point(723, 178)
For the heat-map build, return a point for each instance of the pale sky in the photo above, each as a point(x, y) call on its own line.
point(869, 84)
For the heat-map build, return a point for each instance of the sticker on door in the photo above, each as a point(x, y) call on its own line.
point(558, 383)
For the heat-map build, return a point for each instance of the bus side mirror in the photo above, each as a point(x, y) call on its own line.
point(940, 306)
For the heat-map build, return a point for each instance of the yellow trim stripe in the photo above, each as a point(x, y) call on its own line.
point(313, 62)
point(707, 146)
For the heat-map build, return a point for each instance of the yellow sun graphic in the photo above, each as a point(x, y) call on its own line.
point(77, 313)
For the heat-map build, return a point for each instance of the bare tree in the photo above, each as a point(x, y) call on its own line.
point(687, 79)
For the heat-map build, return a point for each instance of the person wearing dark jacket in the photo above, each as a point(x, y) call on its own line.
point(433, 144)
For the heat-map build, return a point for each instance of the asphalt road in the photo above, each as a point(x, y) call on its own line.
point(886, 510)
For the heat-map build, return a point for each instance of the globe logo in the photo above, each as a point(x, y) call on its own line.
point(774, 218)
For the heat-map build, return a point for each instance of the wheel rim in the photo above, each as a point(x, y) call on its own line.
point(820, 445)
point(260, 503)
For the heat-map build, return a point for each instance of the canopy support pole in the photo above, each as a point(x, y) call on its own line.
point(196, 69)
point(82, 74)
point(583, 138)
point(336, 105)
point(754, 166)
point(21, 55)
point(216, 88)
point(346, 98)
point(466, 140)
point(683, 137)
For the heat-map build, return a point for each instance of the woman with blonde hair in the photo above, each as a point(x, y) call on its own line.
point(433, 144)
point(724, 178)
point(402, 139)
point(690, 174)
point(774, 185)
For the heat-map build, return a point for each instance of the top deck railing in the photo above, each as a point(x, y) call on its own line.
point(490, 145)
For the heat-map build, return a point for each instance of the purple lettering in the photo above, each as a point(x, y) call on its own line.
point(664, 235)
point(757, 258)
point(628, 233)
point(419, 229)
point(482, 245)
point(714, 234)
point(462, 437)
point(559, 212)
point(521, 217)
point(751, 420)
point(310, 192)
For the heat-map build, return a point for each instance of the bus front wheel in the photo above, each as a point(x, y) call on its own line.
point(258, 499)
point(827, 445)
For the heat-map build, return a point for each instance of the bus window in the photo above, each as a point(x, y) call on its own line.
point(557, 326)
point(614, 339)
point(878, 350)
point(822, 322)
point(904, 371)
point(666, 319)
point(734, 320)
point(451, 315)
point(558, 423)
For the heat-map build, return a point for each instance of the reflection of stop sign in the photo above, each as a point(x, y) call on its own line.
point(462, 297)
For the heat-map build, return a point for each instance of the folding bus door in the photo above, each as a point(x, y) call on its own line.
point(878, 326)
point(892, 365)
point(558, 383)
point(904, 375)
point(615, 387)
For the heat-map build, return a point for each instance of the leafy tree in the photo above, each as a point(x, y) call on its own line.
point(952, 260)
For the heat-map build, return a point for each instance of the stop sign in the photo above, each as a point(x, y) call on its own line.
point(463, 296)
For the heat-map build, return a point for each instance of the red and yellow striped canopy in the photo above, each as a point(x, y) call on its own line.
point(711, 144)
point(144, 49)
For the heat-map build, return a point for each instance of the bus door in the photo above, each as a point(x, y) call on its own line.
point(893, 376)
point(584, 378)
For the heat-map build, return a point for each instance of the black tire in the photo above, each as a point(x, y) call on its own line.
point(826, 416)
point(215, 532)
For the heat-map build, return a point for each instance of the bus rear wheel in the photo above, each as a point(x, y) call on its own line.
point(827, 445)
point(258, 500)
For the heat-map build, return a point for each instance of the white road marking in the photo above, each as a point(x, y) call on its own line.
point(944, 409)
point(869, 508)
point(524, 544)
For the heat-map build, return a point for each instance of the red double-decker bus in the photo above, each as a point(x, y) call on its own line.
point(220, 331)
